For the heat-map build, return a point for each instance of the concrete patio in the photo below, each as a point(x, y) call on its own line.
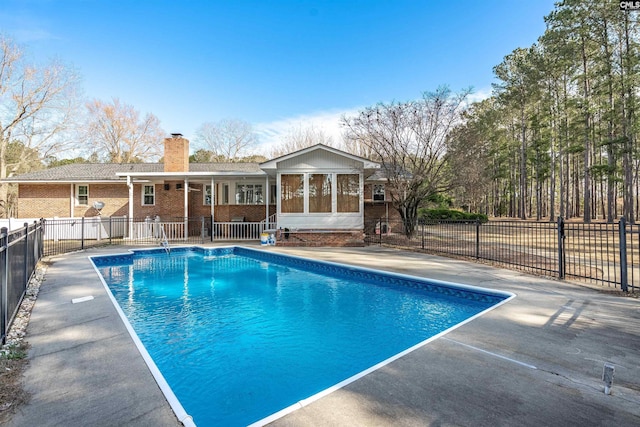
point(537, 360)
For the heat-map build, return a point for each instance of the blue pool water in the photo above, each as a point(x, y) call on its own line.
point(240, 334)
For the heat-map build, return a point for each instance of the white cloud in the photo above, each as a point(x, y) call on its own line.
point(272, 133)
point(480, 95)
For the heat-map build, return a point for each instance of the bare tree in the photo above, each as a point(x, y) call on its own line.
point(299, 137)
point(36, 103)
point(409, 140)
point(120, 135)
point(229, 138)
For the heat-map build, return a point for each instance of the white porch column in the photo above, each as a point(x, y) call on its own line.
point(71, 200)
point(130, 186)
point(214, 198)
point(266, 202)
point(186, 208)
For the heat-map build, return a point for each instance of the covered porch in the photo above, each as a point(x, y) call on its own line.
point(234, 205)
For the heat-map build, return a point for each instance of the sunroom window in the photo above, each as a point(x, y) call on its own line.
point(292, 193)
point(319, 192)
point(348, 189)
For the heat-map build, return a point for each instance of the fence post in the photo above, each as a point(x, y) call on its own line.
point(202, 229)
point(380, 231)
point(110, 231)
point(26, 255)
point(43, 224)
point(82, 233)
point(477, 238)
point(4, 282)
point(622, 228)
point(422, 232)
point(36, 243)
point(561, 236)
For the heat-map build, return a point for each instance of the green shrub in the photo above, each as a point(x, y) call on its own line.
point(450, 214)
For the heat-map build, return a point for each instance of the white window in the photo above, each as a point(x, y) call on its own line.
point(320, 193)
point(148, 195)
point(249, 194)
point(207, 195)
point(292, 193)
point(348, 194)
point(82, 195)
point(225, 194)
point(378, 192)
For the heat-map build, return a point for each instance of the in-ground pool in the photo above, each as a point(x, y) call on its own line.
point(241, 334)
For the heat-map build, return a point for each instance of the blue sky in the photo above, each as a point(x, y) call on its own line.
point(275, 64)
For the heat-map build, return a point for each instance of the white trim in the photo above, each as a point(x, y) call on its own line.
point(186, 206)
point(214, 198)
point(143, 194)
point(273, 164)
point(176, 406)
point(204, 194)
point(245, 182)
point(72, 200)
point(373, 192)
point(334, 193)
point(130, 186)
point(62, 181)
point(77, 194)
point(202, 175)
point(266, 200)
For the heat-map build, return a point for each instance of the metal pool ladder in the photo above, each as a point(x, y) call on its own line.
point(165, 241)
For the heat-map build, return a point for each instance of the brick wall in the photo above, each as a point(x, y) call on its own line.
point(176, 154)
point(169, 203)
point(50, 200)
point(332, 238)
point(376, 210)
point(43, 200)
point(114, 196)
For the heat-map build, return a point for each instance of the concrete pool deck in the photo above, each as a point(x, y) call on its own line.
point(536, 360)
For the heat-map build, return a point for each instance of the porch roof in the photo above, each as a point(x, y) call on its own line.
point(114, 173)
point(272, 165)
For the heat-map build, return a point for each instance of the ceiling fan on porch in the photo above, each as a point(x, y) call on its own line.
point(180, 186)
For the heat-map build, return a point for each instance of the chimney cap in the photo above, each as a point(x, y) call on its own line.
point(176, 135)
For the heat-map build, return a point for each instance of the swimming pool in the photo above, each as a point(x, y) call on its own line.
point(240, 334)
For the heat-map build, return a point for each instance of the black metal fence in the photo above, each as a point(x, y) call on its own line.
point(72, 234)
point(600, 253)
point(20, 251)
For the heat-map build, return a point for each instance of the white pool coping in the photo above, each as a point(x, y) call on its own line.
point(187, 420)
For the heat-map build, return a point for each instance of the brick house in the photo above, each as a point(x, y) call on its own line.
point(320, 195)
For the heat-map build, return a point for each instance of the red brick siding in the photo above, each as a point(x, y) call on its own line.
point(251, 213)
point(176, 154)
point(43, 200)
point(168, 204)
point(373, 211)
point(338, 238)
point(50, 200)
